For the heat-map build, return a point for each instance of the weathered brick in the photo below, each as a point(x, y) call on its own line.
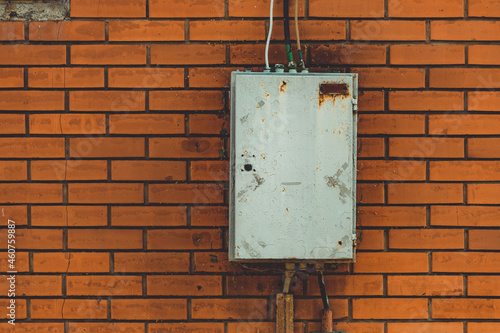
point(11, 31)
point(99, 239)
point(484, 55)
point(458, 308)
point(426, 8)
point(147, 124)
point(184, 239)
point(466, 262)
point(184, 285)
point(195, 100)
point(389, 308)
point(488, 327)
point(483, 101)
point(226, 30)
point(465, 30)
point(108, 54)
point(108, 8)
point(209, 170)
point(106, 327)
point(348, 54)
point(34, 285)
point(151, 262)
point(194, 147)
point(426, 101)
point(391, 262)
point(484, 240)
point(67, 30)
point(209, 216)
point(107, 147)
point(71, 262)
point(371, 147)
point(106, 193)
point(103, 285)
point(388, 30)
point(71, 216)
point(340, 285)
point(188, 54)
point(465, 170)
point(383, 77)
point(462, 216)
point(425, 285)
point(346, 8)
point(483, 193)
point(391, 170)
point(217, 308)
point(181, 9)
point(483, 285)
point(146, 30)
point(32, 55)
point(32, 100)
point(67, 124)
point(35, 239)
point(11, 77)
point(309, 308)
point(484, 148)
point(148, 216)
point(484, 8)
point(149, 309)
point(208, 123)
point(12, 124)
point(391, 124)
point(107, 101)
point(148, 170)
point(424, 193)
point(476, 78)
point(31, 193)
point(53, 77)
point(391, 216)
point(145, 77)
point(431, 147)
point(13, 170)
point(426, 239)
point(186, 193)
point(68, 309)
point(466, 124)
point(448, 327)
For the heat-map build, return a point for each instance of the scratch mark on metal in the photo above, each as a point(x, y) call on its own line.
point(291, 183)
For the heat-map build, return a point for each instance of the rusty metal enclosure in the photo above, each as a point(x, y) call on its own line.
point(293, 167)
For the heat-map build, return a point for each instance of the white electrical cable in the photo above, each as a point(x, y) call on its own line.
point(269, 34)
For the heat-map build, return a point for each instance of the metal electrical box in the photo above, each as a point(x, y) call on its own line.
point(293, 167)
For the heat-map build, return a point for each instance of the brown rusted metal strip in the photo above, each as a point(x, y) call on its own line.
point(280, 313)
point(288, 313)
point(333, 89)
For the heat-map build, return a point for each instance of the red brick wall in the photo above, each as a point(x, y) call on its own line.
point(113, 165)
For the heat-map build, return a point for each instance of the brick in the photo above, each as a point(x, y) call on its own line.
point(32, 327)
point(147, 124)
point(348, 54)
point(148, 216)
point(106, 147)
point(483, 327)
point(103, 285)
point(106, 327)
point(252, 54)
point(99, 239)
point(244, 326)
point(391, 262)
point(20, 310)
point(425, 285)
point(68, 309)
point(390, 77)
point(369, 193)
point(484, 147)
point(31, 147)
point(184, 285)
point(11, 77)
point(66, 30)
point(212, 216)
point(427, 54)
point(208, 123)
point(466, 262)
point(146, 77)
point(35, 239)
point(467, 124)
point(17, 213)
point(465, 170)
point(391, 124)
point(228, 308)
point(476, 78)
point(12, 124)
point(260, 285)
point(483, 101)
point(484, 8)
point(34, 285)
point(188, 54)
point(210, 77)
point(148, 309)
point(106, 193)
point(226, 30)
point(151, 262)
point(195, 100)
point(108, 8)
point(184, 239)
point(22, 262)
point(426, 101)
point(13, 170)
point(32, 100)
point(483, 193)
point(71, 216)
point(32, 55)
point(68, 170)
point(483, 285)
point(432, 147)
point(107, 101)
point(448, 327)
point(11, 31)
point(484, 239)
point(423, 239)
point(70, 262)
point(371, 147)
point(139, 31)
point(356, 327)
point(209, 170)
point(425, 193)
point(483, 55)
point(465, 216)
point(457, 308)
point(465, 30)
point(31, 193)
point(186, 193)
point(215, 262)
point(371, 100)
point(67, 124)
point(66, 77)
point(148, 170)
point(108, 54)
point(187, 327)
point(388, 30)
point(389, 308)
point(312, 30)
point(426, 8)
point(194, 147)
point(391, 216)
point(242, 8)
point(346, 8)
point(182, 9)
point(391, 170)
point(370, 240)
point(347, 285)
point(309, 308)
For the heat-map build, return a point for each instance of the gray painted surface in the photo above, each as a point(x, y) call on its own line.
point(293, 167)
